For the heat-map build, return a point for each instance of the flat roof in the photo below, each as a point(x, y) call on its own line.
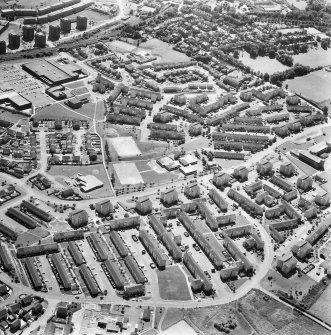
point(128, 173)
point(15, 97)
point(125, 146)
point(90, 182)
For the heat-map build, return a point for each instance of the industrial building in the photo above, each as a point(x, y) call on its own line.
point(151, 245)
point(89, 280)
point(118, 243)
point(166, 238)
point(61, 271)
point(114, 274)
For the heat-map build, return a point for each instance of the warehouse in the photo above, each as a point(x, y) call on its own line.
point(49, 73)
point(166, 238)
point(89, 280)
point(15, 99)
point(36, 250)
point(134, 269)
point(119, 244)
point(151, 245)
point(8, 232)
point(76, 254)
point(33, 274)
point(114, 274)
point(96, 242)
point(5, 258)
point(37, 211)
point(22, 218)
point(125, 223)
point(66, 236)
point(61, 271)
point(198, 273)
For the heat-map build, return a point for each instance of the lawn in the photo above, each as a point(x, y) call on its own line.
point(321, 308)
point(172, 284)
point(159, 178)
point(57, 111)
point(12, 117)
point(164, 51)
point(96, 170)
point(288, 285)
point(87, 110)
point(205, 318)
point(173, 316)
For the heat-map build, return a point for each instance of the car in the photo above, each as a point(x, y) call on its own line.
point(135, 238)
point(186, 234)
point(152, 265)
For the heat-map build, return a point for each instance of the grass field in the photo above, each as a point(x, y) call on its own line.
point(173, 316)
point(96, 170)
point(164, 51)
point(180, 327)
point(58, 112)
point(321, 308)
point(87, 110)
point(205, 318)
point(159, 311)
point(288, 285)
point(172, 284)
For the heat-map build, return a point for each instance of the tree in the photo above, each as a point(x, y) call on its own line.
point(325, 110)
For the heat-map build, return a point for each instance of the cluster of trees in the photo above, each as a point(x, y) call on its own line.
point(285, 59)
point(296, 71)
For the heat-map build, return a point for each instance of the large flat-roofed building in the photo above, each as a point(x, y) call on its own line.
point(15, 99)
point(89, 183)
point(320, 148)
point(53, 72)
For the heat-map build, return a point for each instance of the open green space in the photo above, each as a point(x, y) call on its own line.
point(321, 308)
point(96, 170)
point(57, 111)
point(172, 316)
point(297, 286)
point(164, 51)
point(172, 284)
point(204, 319)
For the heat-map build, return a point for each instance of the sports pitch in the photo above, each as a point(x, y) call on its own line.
point(127, 173)
point(125, 146)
